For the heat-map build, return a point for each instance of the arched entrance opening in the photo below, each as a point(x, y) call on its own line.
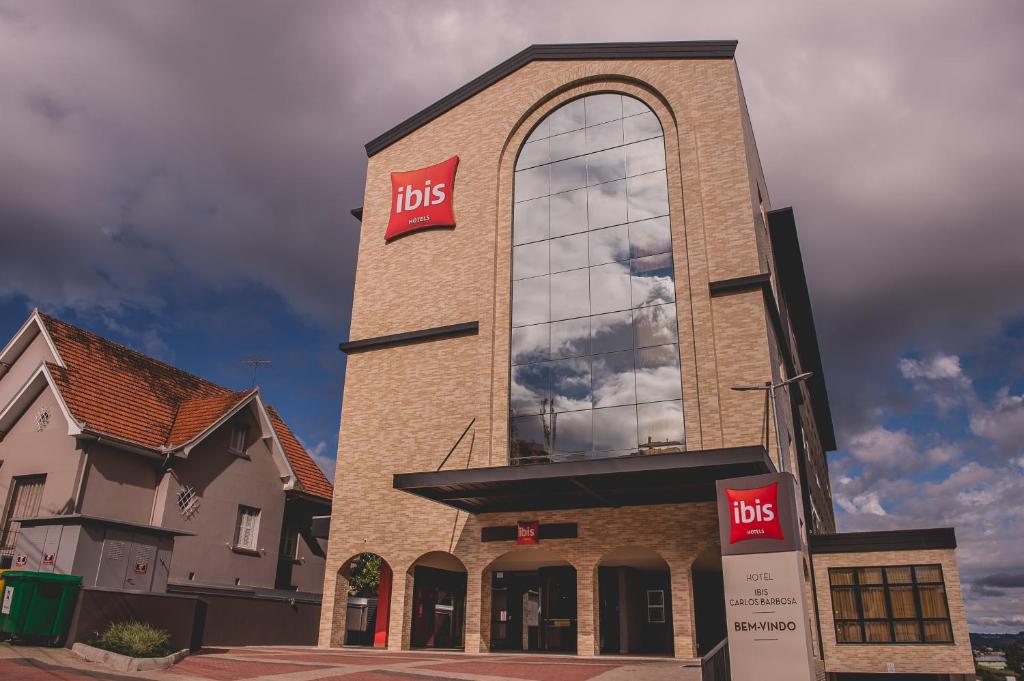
point(438, 601)
point(368, 607)
point(533, 602)
point(635, 603)
point(708, 599)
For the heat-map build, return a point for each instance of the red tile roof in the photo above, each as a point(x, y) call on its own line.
point(313, 479)
point(195, 416)
point(123, 393)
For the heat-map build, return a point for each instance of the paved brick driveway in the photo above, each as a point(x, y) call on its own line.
point(317, 664)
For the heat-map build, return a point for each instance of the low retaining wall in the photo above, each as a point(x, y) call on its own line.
point(182, 616)
point(257, 618)
point(197, 618)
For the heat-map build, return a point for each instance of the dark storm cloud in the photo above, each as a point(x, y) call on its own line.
point(1002, 580)
point(154, 153)
point(150, 147)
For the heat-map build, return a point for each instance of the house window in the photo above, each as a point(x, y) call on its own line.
point(290, 542)
point(894, 604)
point(656, 606)
point(25, 500)
point(594, 339)
point(238, 435)
point(248, 530)
point(188, 502)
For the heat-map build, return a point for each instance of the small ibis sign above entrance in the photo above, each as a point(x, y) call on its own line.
point(527, 532)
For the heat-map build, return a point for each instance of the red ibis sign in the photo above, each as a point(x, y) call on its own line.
point(422, 198)
point(527, 532)
point(754, 513)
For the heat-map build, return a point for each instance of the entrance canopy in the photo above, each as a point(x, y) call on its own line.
point(625, 481)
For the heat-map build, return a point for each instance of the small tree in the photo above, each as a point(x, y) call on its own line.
point(1015, 657)
point(365, 577)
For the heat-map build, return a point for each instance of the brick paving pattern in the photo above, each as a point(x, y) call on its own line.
point(318, 664)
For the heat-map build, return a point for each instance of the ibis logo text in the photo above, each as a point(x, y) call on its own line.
point(754, 513)
point(527, 532)
point(422, 198)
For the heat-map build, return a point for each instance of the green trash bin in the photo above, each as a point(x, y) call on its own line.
point(38, 605)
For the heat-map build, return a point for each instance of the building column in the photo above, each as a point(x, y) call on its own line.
point(586, 611)
point(471, 634)
point(333, 613)
point(684, 630)
point(484, 615)
point(400, 626)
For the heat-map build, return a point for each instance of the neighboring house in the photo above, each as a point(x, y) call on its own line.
point(90, 429)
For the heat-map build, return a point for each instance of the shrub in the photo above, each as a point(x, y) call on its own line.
point(134, 639)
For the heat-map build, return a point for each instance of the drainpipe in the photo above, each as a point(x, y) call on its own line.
point(81, 475)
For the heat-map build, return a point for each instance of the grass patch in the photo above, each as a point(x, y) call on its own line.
point(134, 639)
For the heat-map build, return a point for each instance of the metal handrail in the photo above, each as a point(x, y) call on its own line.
point(714, 665)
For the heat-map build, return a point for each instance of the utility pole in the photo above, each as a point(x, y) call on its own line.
point(769, 389)
point(256, 363)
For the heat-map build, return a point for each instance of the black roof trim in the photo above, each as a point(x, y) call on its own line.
point(688, 49)
point(592, 483)
point(789, 265)
point(889, 540)
point(463, 329)
point(357, 213)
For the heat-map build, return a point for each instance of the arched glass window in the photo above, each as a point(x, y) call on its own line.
point(595, 354)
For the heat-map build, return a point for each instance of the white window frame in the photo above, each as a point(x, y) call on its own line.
point(247, 528)
point(658, 608)
point(286, 536)
point(239, 434)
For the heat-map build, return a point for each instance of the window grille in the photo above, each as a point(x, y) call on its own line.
point(188, 502)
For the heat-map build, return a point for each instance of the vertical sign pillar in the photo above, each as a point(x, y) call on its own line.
point(762, 566)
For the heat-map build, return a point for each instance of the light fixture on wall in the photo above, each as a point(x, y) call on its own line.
point(769, 389)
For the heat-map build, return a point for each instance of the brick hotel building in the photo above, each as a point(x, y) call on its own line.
point(539, 394)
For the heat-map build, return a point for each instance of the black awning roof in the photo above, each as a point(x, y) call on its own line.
point(625, 481)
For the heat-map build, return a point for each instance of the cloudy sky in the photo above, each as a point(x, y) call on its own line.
point(178, 176)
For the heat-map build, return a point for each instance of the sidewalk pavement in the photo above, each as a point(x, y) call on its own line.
point(272, 663)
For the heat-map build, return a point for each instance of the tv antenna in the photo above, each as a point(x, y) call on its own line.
point(256, 363)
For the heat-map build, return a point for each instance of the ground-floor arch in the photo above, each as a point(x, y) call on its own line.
point(708, 599)
point(438, 609)
point(532, 602)
point(366, 579)
point(634, 603)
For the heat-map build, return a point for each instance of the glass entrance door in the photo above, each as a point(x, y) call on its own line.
point(439, 599)
point(534, 611)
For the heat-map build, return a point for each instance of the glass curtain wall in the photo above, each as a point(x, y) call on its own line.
point(595, 355)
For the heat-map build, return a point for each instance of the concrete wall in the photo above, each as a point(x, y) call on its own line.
point(954, 658)
point(225, 480)
point(180, 616)
point(26, 450)
point(119, 484)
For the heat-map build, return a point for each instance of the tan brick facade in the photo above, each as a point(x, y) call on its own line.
point(954, 658)
point(405, 405)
